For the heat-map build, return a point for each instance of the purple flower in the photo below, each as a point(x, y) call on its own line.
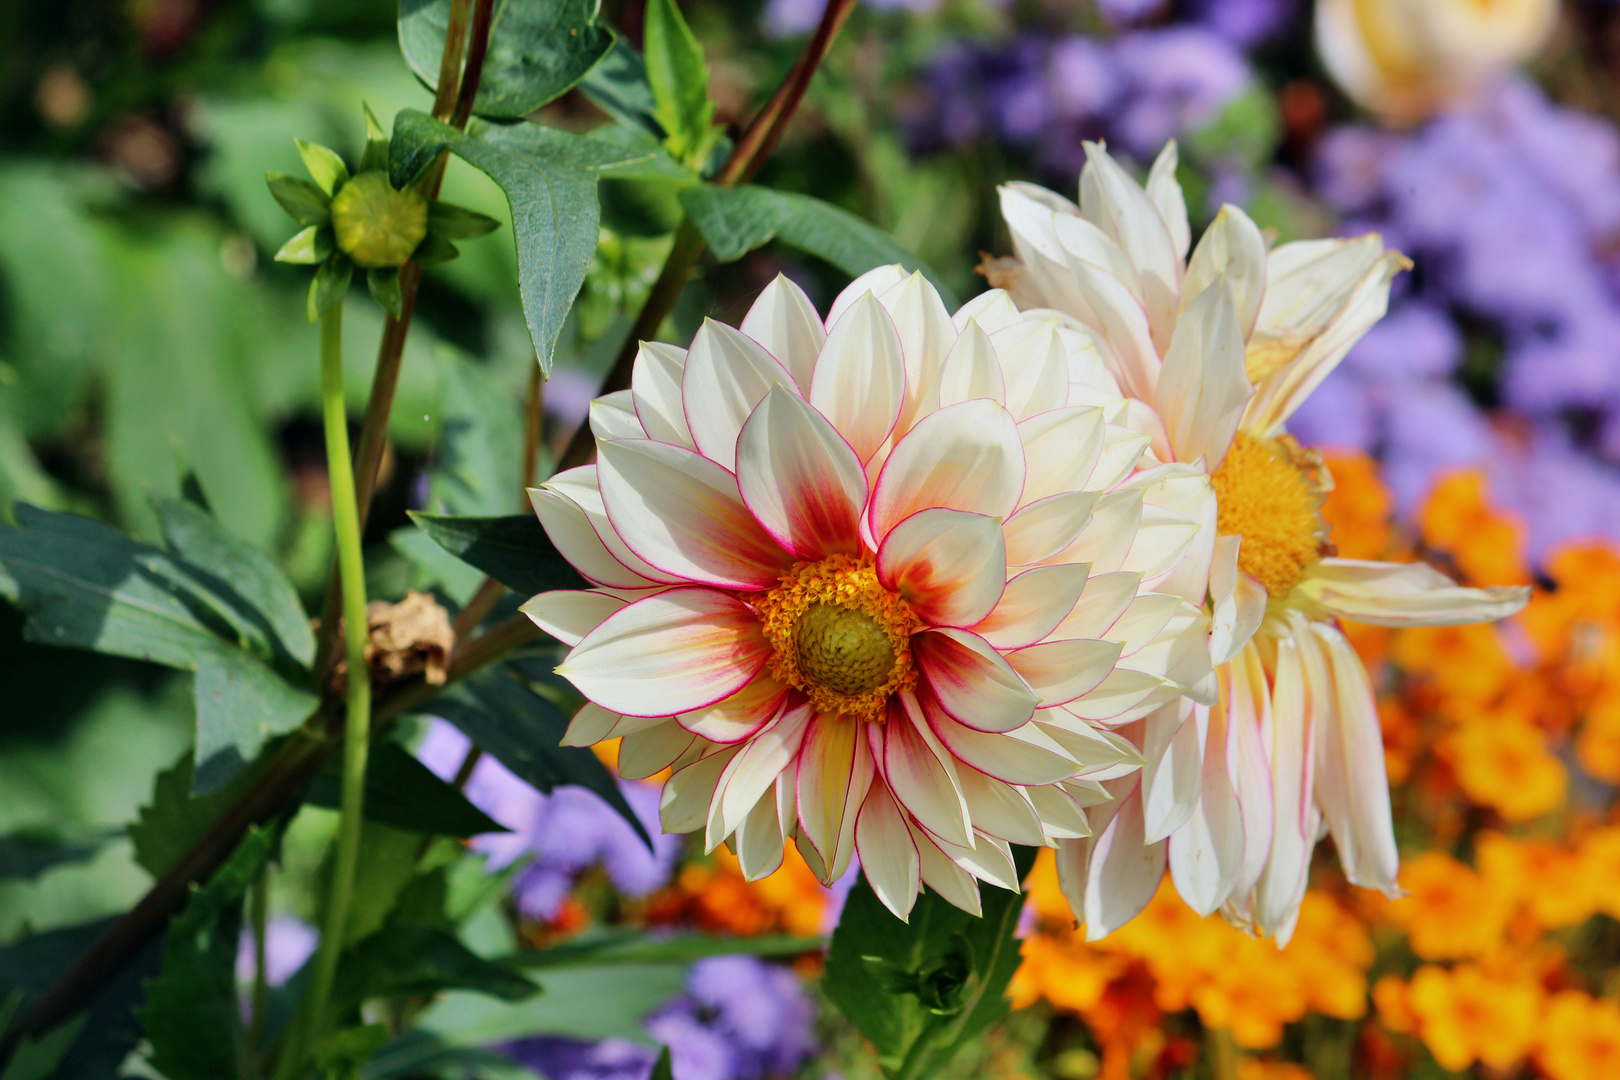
point(1180, 79)
point(571, 1059)
point(696, 1052)
point(1245, 22)
point(288, 943)
point(1128, 11)
point(1083, 78)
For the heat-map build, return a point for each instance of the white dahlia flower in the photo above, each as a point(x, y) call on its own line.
point(871, 584)
point(1218, 351)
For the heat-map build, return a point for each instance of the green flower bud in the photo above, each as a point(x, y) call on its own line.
point(377, 226)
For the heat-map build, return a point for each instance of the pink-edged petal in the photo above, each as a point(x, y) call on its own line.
point(655, 382)
point(727, 374)
point(835, 771)
point(988, 859)
point(1001, 810)
point(683, 514)
point(613, 416)
point(967, 457)
point(785, 322)
point(1110, 877)
point(1247, 699)
point(1061, 816)
point(1062, 448)
point(583, 486)
point(1102, 754)
point(800, 479)
point(1204, 387)
point(1281, 887)
point(950, 566)
point(972, 681)
point(942, 874)
point(688, 793)
point(1206, 852)
point(1032, 605)
point(860, 379)
point(1025, 755)
point(1104, 599)
point(569, 614)
point(1110, 535)
point(888, 854)
point(921, 773)
point(1045, 528)
point(926, 336)
point(1060, 671)
point(673, 652)
point(1404, 594)
point(590, 725)
point(1035, 365)
point(653, 749)
point(1113, 200)
point(1116, 696)
point(735, 718)
point(877, 281)
point(971, 369)
point(1234, 248)
point(570, 530)
point(760, 840)
point(1173, 744)
point(754, 772)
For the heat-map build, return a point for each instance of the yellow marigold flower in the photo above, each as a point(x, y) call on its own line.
point(1332, 950)
point(1358, 510)
point(1465, 1015)
point(1487, 545)
point(1255, 1069)
point(1449, 911)
point(790, 900)
point(1587, 601)
point(1466, 665)
point(1548, 880)
point(1504, 764)
point(1580, 1038)
point(1598, 747)
point(1599, 853)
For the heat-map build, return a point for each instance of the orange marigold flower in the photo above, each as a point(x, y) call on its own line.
point(1449, 911)
point(1487, 545)
point(1466, 665)
point(1599, 854)
point(1505, 764)
point(1359, 508)
point(1256, 1069)
point(1580, 1038)
point(1548, 880)
point(1464, 1015)
point(717, 897)
point(1598, 748)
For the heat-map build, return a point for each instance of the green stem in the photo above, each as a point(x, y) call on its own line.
point(357, 726)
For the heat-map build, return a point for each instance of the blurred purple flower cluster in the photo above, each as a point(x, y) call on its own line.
point(565, 832)
point(1511, 210)
point(740, 1019)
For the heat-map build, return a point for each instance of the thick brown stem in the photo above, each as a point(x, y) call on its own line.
point(477, 49)
point(455, 40)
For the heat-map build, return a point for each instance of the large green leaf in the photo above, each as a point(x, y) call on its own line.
point(579, 1003)
point(417, 1053)
point(524, 731)
point(175, 818)
point(478, 462)
point(28, 854)
point(406, 794)
point(679, 77)
point(192, 1017)
point(85, 585)
point(736, 220)
point(637, 947)
point(619, 86)
point(926, 986)
point(38, 1059)
point(513, 550)
point(538, 49)
point(419, 961)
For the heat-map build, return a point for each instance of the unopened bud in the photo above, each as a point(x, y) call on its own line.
point(377, 226)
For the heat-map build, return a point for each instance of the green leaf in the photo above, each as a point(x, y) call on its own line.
point(927, 986)
point(549, 178)
point(405, 794)
point(439, 569)
point(86, 586)
point(417, 1053)
point(524, 732)
point(303, 201)
point(538, 50)
point(619, 86)
point(384, 288)
point(308, 247)
point(513, 550)
point(192, 1017)
point(266, 601)
point(579, 1003)
point(175, 818)
point(459, 223)
point(434, 250)
point(679, 77)
point(376, 153)
point(419, 961)
point(735, 221)
point(638, 947)
point(662, 1068)
point(38, 1059)
point(340, 1055)
point(26, 854)
point(325, 167)
point(330, 284)
point(478, 463)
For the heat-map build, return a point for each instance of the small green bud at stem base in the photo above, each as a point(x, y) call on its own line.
point(377, 226)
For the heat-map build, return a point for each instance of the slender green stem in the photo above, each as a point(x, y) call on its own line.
point(357, 725)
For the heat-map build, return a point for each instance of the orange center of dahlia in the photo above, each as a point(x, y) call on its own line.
point(839, 636)
point(1269, 491)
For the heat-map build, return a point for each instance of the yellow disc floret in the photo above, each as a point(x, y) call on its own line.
point(376, 225)
point(839, 636)
point(1269, 491)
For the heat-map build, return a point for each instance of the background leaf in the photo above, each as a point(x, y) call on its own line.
point(513, 550)
point(406, 794)
point(420, 961)
point(175, 818)
point(736, 220)
point(579, 1003)
point(679, 77)
point(28, 854)
point(538, 49)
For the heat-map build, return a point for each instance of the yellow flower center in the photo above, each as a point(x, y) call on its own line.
point(1269, 491)
point(839, 636)
point(377, 226)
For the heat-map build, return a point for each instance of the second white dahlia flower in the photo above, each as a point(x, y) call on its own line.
point(871, 584)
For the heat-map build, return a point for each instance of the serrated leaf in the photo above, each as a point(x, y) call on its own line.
point(679, 77)
point(941, 953)
point(404, 793)
point(736, 220)
point(513, 550)
point(524, 732)
point(538, 50)
point(307, 247)
point(325, 167)
point(419, 961)
point(192, 1018)
point(304, 202)
point(174, 818)
point(84, 585)
point(27, 854)
point(329, 286)
point(384, 288)
point(459, 223)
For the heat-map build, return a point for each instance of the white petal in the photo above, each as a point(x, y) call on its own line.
point(942, 874)
point(1173, 744)
point(949, 566)
point(860, 379)
point(1233, 248)
point(590, 725)
point(1238, 602)
point(754, 771)
point(1203, 386)
point(1118, 205)
point(1061, 816)
point(613, 416)
point(926, 336)
point(876, 281)
point(967, 457)
point(800, 479)
point(922, 775)
point(1206, 852)
point(835, 771)
point(1061, 671)
point(569, 614)
point(1404, 594)
point(656, 383)
point(971, 369)
point(1035, 367)
point(888, 855)
point(1001, 810)
point(735, 718)
point(687, 794)
point(582, 486)
point(1282, 883)
point(785, 321)
point(1165, 192)
point(1108, 539)
point(1025, 755)
point(760, 841)
point(1062, 449)
point(972, 681)
point(569, 529)
point(1032, 605)
point(727, 374)
point(654, 749)
point(992, 309)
